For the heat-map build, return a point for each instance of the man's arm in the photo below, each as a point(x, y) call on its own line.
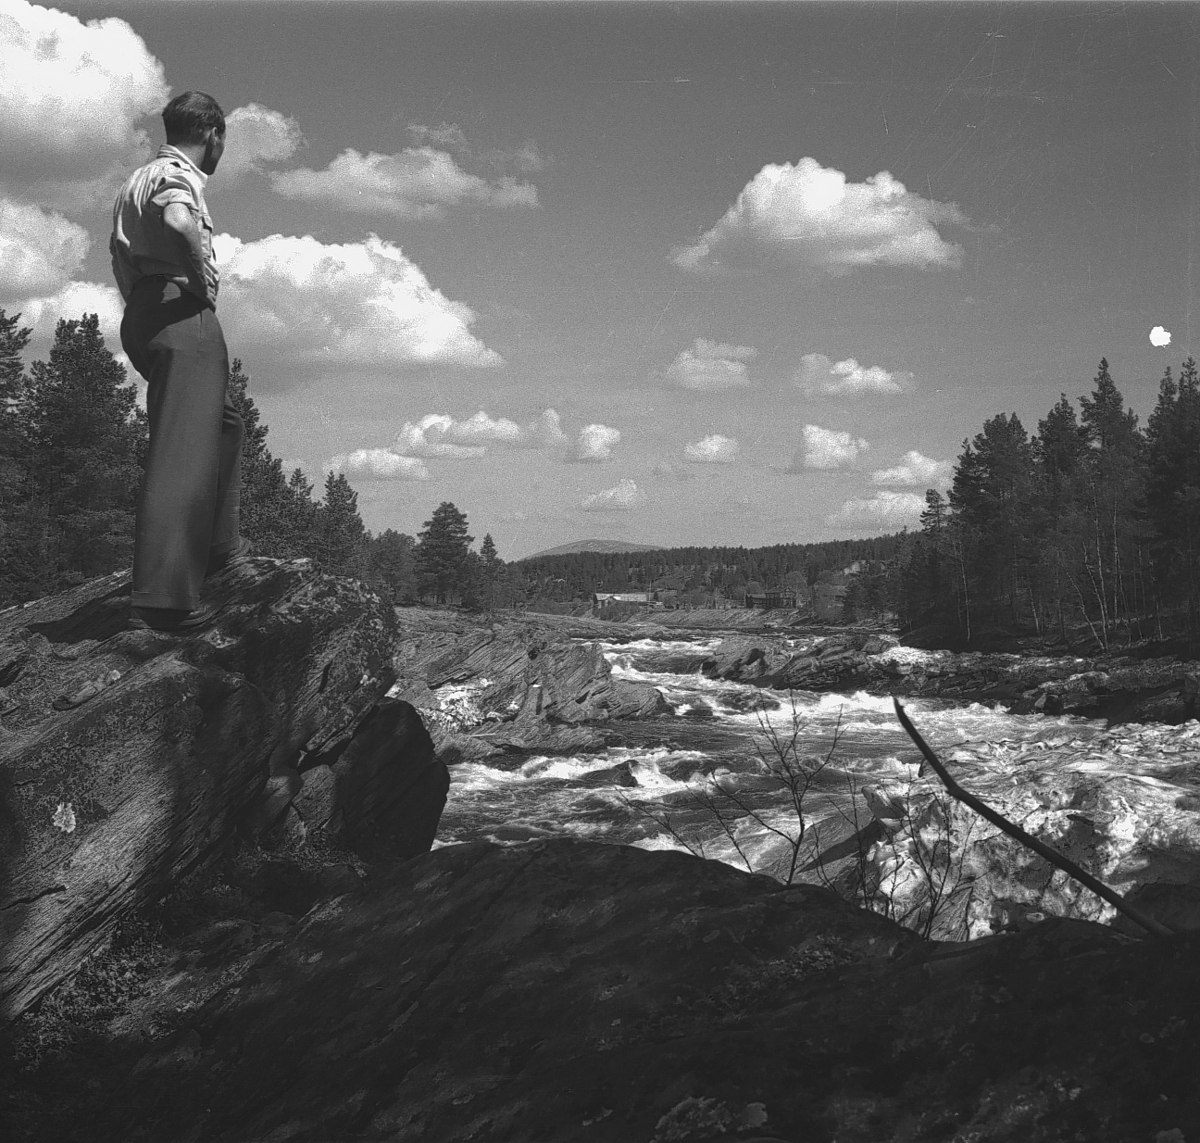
point(181, 229)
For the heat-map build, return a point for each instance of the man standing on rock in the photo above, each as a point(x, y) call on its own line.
point(187, 515)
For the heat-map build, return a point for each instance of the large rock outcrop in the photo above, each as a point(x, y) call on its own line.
point(564, 991)
point(514, 686)
point(129, 759)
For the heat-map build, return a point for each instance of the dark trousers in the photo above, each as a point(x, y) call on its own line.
point(188, 504)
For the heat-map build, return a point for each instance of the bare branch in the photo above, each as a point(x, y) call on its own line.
point(1028, 840)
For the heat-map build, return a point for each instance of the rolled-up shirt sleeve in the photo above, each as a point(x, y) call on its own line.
point(140, 245)
point(168, 195)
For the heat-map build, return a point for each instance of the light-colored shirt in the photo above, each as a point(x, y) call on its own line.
point(141, 245)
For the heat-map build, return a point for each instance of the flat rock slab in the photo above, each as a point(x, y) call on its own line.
point(559, 990)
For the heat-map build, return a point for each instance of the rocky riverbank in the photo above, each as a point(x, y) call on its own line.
point(235, 814)
point(1115, 688)
point(516, 685)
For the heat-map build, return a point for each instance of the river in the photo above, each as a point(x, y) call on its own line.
point(713, 743)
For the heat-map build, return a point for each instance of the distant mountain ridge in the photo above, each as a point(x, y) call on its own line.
point(603, 546)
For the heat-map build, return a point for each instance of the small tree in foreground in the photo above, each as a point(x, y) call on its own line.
point(899, 861)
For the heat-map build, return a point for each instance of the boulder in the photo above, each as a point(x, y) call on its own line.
point(618, 775)
point(747, 659)
point(571, 684)
point(564, 991)
point(130, 759)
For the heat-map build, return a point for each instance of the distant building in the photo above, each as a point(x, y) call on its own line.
point(768, 600)
point(600, 598)
point(828, 599)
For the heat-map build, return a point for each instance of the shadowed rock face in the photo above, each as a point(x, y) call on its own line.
point(558, 990)
point(111, 792)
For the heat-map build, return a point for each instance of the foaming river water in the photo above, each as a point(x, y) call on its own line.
point(714, 736)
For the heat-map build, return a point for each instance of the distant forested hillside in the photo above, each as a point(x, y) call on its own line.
point(724, 572)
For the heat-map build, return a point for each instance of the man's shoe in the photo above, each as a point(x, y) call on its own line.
point(173, 619)
point(242, 550)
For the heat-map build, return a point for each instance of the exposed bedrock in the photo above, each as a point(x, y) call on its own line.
point(513, 686)
point(561, 991)
point(1116, 688)
point(129, 759)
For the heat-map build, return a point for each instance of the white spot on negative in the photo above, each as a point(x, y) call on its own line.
point(1160, 337)
point(64, 817)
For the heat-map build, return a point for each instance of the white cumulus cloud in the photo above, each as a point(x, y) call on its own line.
point(594, 444)
point(826, 448)
point(818, 375)
point(440, 435)
point(362, 303)
point(621, 497)
point(255, 135)
point(712, 449)
point(39, 250)
point(527, 159)
point(546, 431)
point(884, 509)
point(915, 469)
point(42, 313)
point(378, 464)
point(806, 215)
point(419, 182)
point(1160, 336)
point(71, 93)
point(427, 437)
point(711, 365)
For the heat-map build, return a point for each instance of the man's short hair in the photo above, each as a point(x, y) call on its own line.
point(188, 116)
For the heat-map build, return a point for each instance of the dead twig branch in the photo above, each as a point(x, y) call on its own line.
point(1028, 840)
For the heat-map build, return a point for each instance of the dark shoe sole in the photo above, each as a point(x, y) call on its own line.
point(169, 620)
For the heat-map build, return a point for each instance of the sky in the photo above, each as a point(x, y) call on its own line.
point(674, 274)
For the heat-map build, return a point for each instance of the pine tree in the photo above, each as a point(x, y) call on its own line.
point(392, 565)
point(80, 433)
point(298, 518)
point(491, 569)
point(340, 535)
point(1172, 491)
point(277, 517)
point(13, 341)
point(1061, 443)
point(1108, 492)
point(1106, 421)
point(442, 552)
point(991, 497)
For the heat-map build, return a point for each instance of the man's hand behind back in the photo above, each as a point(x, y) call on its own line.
point(182, 228)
